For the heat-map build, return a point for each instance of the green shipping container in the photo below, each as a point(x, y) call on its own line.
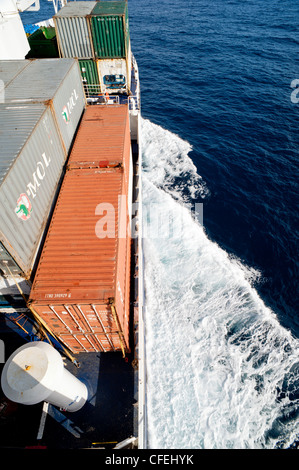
point(43, 45)
point(110, 29)
point(89, 73)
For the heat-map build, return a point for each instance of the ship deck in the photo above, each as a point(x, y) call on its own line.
point(110, 414)
point(105, 420)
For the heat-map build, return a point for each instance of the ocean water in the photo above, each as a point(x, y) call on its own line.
point(219, 130)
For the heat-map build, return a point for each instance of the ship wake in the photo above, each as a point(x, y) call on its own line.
point(221, 371)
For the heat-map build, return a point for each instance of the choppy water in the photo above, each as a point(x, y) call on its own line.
point(222, 370)
point(219, 128)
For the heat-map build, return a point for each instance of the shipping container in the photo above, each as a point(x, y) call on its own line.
point(48, 31)
point(42, 45)
point(81, 287)
point(114, 75)
point(31, 162)
point(9, 69)
point(110, 29)
point(106, 128)
point(73, 30)
point(103, 140)
point(56, 82)
point(90, 78)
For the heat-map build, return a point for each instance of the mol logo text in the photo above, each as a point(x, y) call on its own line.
point(24, 206)
point(38, 175)
point(68, 108)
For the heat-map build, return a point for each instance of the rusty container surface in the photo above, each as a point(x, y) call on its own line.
point(81, 288)
point(103, 139)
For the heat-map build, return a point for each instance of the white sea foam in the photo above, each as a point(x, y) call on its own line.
point(168, 165)
point(221, 371)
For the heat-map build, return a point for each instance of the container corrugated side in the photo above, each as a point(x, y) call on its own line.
point(56, 82)
point(110, 29)
point(69, 103)
point(105, 130)
point(82, 273)
point(31, 163)
point(73, 30)
point(89, 74)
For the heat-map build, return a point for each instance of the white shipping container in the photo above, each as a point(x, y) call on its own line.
point(9, 69)
point(114, 75)
point(31, 162)
point(56, 82)
point(73, 30)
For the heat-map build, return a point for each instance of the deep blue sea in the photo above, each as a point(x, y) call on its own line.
point(220, 128)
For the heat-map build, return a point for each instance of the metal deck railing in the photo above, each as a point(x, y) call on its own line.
point(94, 94)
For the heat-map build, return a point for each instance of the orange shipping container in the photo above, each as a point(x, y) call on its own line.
point(81, 287)
point(103, 139)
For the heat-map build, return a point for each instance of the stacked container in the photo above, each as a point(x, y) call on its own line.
point(82, 284)
point(90, 77)
point(111, 43)
point(110, 29)
point(56, 82)
point(43, 101)
point(9, 69)
point(43, 43)
point(97, 33)
point(72, 26)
